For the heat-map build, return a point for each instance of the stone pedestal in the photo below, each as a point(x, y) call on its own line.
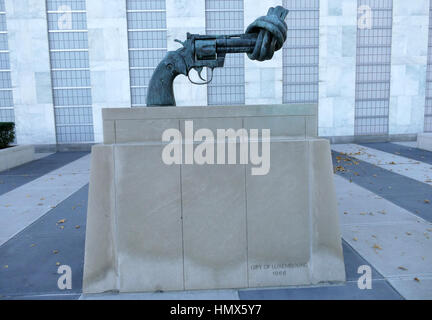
point(153, 226)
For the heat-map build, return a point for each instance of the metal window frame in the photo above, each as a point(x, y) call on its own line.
point(372, 111)
point(228, 85)
point(428, 102)
point(301, 79)
point(6, 93)
point(77, 125)
point(139, 92)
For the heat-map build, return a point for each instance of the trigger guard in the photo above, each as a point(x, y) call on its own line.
point(199, 75)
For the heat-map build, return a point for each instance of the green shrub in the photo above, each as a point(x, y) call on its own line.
point(7, 134)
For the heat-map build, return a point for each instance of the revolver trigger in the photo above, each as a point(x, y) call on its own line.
point(200, 70)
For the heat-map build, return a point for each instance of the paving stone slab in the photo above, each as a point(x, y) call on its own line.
point(394, 250)
point(30, 258)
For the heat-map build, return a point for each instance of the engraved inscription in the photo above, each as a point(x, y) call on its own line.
point(276, 269)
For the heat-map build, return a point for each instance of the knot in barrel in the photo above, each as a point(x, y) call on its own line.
point(272, 33)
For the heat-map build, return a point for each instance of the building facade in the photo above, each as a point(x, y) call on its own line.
point(366, 63)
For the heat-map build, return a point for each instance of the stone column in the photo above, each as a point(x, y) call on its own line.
point(30, 71)
point(263, 80)
point(109, 58)
point(409, 63)
point(337, 67)
point(182, 17)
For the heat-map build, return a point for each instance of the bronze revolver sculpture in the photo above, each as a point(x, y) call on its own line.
point(262, 38)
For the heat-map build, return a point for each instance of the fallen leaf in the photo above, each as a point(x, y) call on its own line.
point(77, 227)
point(392, 162)
point(55, 251)
point(417, 279)
point(355, 239)
point(42, 199)
point(340, 169)
point(33, 245)
point(403, 268)
point(6, 266)
point(61, 221)
point(377, 247)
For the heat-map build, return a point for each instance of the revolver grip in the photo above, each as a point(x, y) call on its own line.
point(160, 91)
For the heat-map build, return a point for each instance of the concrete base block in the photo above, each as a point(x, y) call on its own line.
point(16, 156)
point(424, 141)
point(158, 227)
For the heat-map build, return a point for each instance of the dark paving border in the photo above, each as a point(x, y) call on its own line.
point(400, 150)
point(18, 176)
point(405, 192)
point(45, 297)
point(353, 260)
point(381, 289)
point(30, 257)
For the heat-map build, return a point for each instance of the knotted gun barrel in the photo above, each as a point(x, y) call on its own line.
point(262, 39)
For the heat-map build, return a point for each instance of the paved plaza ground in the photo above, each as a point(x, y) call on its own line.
point(385, 206)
